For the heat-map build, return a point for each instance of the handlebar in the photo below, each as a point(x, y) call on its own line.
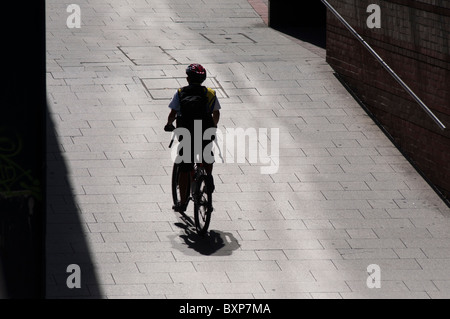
point(170, 128)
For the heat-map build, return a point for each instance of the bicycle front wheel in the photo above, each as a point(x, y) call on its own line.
point(203, 204)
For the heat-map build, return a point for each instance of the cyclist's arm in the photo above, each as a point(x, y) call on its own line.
point(171, 117)
point(216, 117)
point(174, 107)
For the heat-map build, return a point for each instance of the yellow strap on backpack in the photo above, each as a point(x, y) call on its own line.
point(211, 95)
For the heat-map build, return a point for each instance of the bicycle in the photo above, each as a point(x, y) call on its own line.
point(199, 190)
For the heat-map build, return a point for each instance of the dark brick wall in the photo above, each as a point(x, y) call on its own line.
point(414, 40)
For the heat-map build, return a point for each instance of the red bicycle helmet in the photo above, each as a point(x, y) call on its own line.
point(196, 73)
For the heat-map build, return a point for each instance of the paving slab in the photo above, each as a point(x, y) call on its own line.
point(343, 197)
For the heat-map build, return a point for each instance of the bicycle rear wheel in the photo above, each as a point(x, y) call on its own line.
point(176, 194)
point(203, 204)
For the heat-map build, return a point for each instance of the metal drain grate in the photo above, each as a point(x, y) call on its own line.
point(224, 38)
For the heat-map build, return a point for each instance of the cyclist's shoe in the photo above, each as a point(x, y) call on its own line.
point(180, 208)
point(169, 128)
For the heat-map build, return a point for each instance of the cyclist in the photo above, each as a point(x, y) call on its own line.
point(190, 103)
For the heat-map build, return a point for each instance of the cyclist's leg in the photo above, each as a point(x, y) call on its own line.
point(208, 170)
point(183, 180)
point(183, 185)
point(209, 162)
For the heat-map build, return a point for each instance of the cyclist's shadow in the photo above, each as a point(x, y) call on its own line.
point(215, 242)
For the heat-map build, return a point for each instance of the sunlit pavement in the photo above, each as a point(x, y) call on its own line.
point(343, 202)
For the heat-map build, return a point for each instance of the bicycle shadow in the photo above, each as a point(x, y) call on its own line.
point(213, 243)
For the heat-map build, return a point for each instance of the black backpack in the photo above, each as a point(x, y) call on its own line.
point(194, 106)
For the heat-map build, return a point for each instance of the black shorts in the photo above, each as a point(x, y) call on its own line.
point(194, 156)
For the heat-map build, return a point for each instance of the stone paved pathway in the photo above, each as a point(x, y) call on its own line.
point(343, 197)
